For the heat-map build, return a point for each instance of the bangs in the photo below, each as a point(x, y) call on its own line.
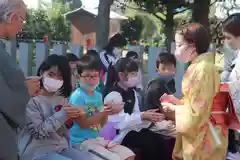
point(62, 64)
point(88, 62)
point(131, 67)
point(126, 65)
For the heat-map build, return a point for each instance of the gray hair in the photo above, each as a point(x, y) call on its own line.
point(6, 7)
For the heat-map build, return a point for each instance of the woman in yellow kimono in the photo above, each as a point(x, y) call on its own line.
point(197, 137)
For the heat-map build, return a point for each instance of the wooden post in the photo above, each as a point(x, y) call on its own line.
point(76, 49)
point(25, 58)
point(59, 49)
point(42, 51)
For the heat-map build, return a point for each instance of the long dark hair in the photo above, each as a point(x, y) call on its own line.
point(124, 65)
point(117, 40)
point(61, 62)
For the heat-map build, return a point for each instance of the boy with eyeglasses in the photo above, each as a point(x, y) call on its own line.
point(85, 130)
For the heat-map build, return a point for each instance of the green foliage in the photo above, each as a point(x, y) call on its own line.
point(182, 19)
point(132, 28)
point(48, 20)
point(152, 31)
point(37, 25)
point(149, 27)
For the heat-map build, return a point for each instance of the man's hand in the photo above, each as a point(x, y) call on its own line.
point(74, 112)
point(153, 116)
point(33, 86)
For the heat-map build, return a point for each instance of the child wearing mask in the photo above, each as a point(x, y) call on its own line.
point(139, 87)
point(95, 54)
point(46, 135)
point(131, 124)
point(73, 60)
point(164, 83)
point(85, 131)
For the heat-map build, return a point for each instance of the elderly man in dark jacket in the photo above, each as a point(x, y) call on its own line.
point(15, 91)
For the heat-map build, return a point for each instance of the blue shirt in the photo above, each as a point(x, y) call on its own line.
point(92, 105)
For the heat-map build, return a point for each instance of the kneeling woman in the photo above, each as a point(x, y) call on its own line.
point(199, 137)
point(131, 124)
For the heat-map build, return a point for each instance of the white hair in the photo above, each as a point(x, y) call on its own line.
point(6, 7)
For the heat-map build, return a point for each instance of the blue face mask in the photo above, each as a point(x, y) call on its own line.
point(166, 77)
point(86, 87)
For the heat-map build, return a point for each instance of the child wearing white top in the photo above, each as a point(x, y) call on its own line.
point(130, 121)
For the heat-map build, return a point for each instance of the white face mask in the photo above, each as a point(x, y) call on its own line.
point(182, 50)
point(132, 81)
point(117, 52)
point(52, 85)
point(229, 48)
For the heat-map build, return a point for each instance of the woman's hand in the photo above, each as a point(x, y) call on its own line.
point(152, 116)
point(170, 99)
point(74, 112)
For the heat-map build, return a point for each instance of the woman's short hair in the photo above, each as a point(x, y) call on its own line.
point(232, 24)
point(195, 33)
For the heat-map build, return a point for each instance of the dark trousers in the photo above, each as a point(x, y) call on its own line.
point(148, 145)
point(232, 145)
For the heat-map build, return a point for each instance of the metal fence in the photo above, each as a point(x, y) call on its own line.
point(29, 56)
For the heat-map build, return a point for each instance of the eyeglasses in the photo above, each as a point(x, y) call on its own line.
point(89, 77)
point(23, 21)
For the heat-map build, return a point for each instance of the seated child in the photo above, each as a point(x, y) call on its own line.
point(73, 60)
point(95, 54)
point(85, 131)
point(139, 87)
point(135, 56)
point(45, 135)
point(131, 124)
point(164, 83)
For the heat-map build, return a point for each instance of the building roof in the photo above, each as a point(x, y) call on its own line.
point(94, 12)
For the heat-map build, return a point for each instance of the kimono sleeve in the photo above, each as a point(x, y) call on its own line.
point(197, 101)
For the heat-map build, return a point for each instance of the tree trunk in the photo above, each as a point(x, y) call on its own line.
point(103, 22)
point(169, 24)
point(200, 12)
